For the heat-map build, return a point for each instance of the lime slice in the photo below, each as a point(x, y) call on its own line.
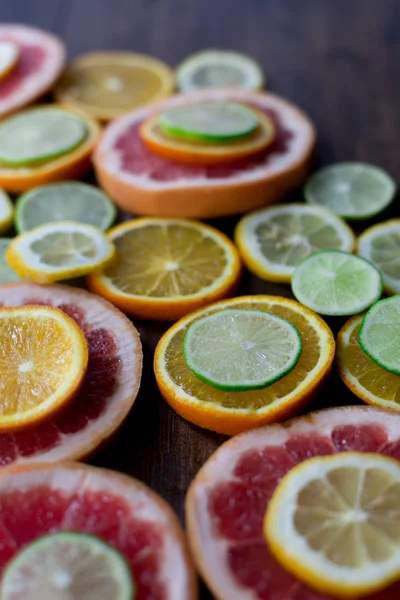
point(7, 275)
point(352, 190)
point(210, 122)
point(219, 69)
point(68, 565)
point(65, 201)
point(332, 282)
point(380, 245)
point(380, 333)
point(240, 350)
point(6, 212)
point(38, 135)
point(9, 55)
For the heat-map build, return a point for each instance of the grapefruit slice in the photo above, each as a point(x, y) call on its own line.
point(228, 499)
point(108, 390)
point(147, 184)
point(44, 499)
point(41, 59)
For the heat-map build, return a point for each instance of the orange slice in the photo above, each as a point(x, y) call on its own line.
point(200, 153)
point(72, 165)
point(233, 412)
point(43, 360)
point(109, 84)
point(166, 268)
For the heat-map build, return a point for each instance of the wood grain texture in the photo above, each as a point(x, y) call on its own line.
point(339, 60)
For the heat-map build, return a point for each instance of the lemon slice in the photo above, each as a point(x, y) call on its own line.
point(380, 245)
point(6, 212)
point(58, 251)
point(334, 522)
point(9, 55)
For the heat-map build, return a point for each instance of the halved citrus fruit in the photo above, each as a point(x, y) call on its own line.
point(166, 268)
point(333, 521)
point(6, 212)
point(40, 61)
point(109, 84)
point(43, 499)
point(44, 357)
point(147, 184)
point(364, 377)
point(108, 390)
point(9, 55)
point(380, 244)
point(233, 412)
point(227, 501)
point(71, 165)
point(188, 152)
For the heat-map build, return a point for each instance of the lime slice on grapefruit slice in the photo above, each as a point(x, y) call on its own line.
point(241, 350)
point(7, 275)
point(68, 563)
point(64, 201)
point(9, 54)
point(219, 69)
point(352, 190)
point(210, 122)
point(333, 282)
point(379, 334)
point(35, 136)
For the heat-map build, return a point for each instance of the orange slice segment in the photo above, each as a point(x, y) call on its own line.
point(43, 361)
point(109, 84)
point(200, 153)
point(9, 55)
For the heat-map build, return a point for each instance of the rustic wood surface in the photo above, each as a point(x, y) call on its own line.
point(339, 60)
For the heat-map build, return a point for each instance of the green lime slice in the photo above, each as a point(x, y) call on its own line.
point(210, 122)
point(7, 275)
point(68, 565)
point(352, 190)
point(241, 350)
point(65, 201)
point(380, 244)
point(38, 135)
point(332, 282)
point(380, 333)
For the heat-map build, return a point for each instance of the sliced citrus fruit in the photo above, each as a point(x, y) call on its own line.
point(364, 377)
point(9, 55)
point(232, 412)
point(219, 69)
point(6, 212)
point(207, 154)
point(333, 282)
point(379, 334)
point(109, 84)
point(57, 251)
point(333, 521)
point(71, 563)
point(167, 268)
point(352, 190)
point(43, 499)
point(41, 58)
point(7, 275)
point(227, 501)
point(238, 350)
point(44, 357)
point(64, 201)
point(210, 122)
point(108, 391)
point(144, 183)
point(380, 244)
point(273, 241)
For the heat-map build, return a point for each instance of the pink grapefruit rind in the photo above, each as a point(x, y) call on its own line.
point(129, 501)
point(210, 547)
point(99, 316)
point(157, 187)
point(32, 83)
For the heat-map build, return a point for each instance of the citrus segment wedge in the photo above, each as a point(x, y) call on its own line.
point(44, 357)
point(166, 268)
point(6, 212)
point(232, 412)
point(273, 241)
point(109, 84)
point(380, 244)
point(9, 55)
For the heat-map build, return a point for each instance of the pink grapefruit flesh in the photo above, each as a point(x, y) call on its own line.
point(108, 391)
point(40, 499)
point(227, 501)
point(42, 58)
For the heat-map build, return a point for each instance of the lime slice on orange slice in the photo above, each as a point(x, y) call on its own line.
point(219, 69)
point(209, 122)
point(36, 136)
point(109, 84)
point(9, 55)
point(379, 334)
point(68, 565)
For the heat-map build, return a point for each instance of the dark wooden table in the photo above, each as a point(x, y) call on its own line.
point(338, 59)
